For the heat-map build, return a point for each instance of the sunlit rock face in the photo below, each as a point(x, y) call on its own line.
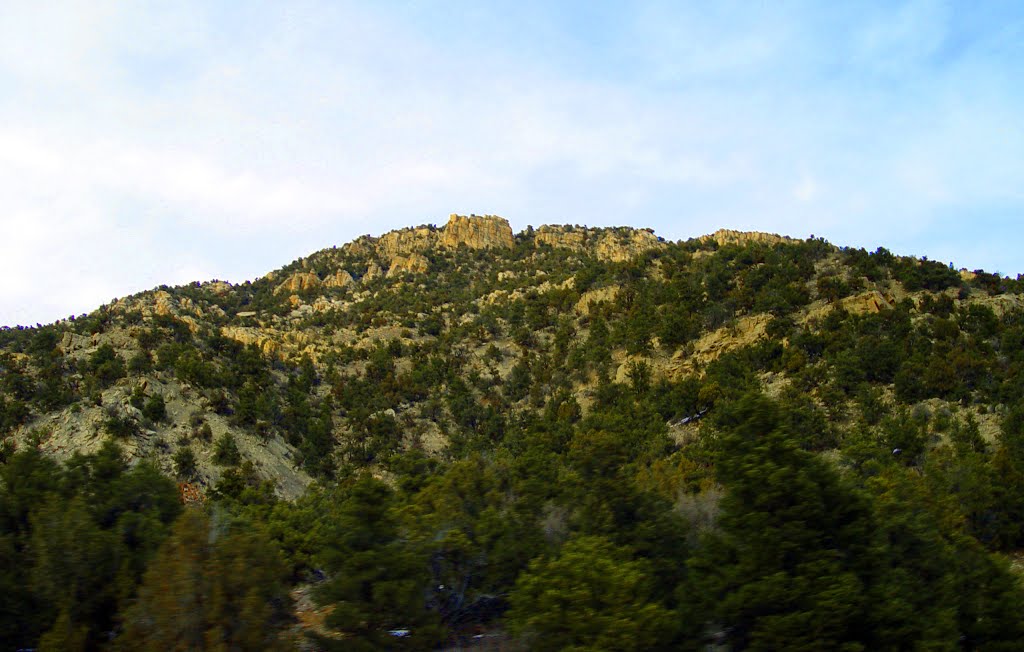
point(477, 232)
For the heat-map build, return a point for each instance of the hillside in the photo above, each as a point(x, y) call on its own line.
point(488, 409)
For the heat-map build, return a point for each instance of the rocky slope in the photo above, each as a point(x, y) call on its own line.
point(415, 338)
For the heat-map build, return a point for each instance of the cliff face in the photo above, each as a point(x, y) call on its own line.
point(573, 238)
point(615, 245)
point(475, 232)
point(619, 246)
point(493, 232)
point(339, 279)
point(411, 264)
point(406, 241)
point(489, 231)
point(298, 282)
point(729, 236)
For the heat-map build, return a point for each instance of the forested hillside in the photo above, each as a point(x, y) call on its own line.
point(566, 438)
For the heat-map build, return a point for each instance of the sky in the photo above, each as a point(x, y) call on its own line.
point(164, 143)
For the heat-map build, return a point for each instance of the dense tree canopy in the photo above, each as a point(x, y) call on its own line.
point(753, 443)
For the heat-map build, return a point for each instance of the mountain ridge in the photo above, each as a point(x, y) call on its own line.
point(284, 316)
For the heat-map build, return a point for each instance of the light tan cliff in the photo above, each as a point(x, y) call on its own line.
point(411, 264)
point(474, 231)
point(868, 303)
point(298, 282)
point(615, 245)
point(406, 241)
point(247, 335)
point(339, 279)
point(372, 272)
point(729, 236)
point(573, 238)
point(477, 232)
point(622, 245)
point(590, 297)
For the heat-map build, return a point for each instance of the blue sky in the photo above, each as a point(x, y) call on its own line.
point(148, 143)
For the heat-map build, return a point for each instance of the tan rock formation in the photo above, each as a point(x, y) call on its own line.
point(411, 264)
point(590, 297)
point(217, 287)
point(623, 245)
point(562, 237)
point(711, 346)
point(247, 335)
point(860, 304)
point(868, 303)
point(298, 282)
point(616, 245)
point(729, 236)
point(372, 272)
point(339, 279)
point(163, 304)
point(477, 232)
point(406, 241)
point(363, 246)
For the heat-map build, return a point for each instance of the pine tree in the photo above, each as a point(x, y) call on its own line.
point(788, 565)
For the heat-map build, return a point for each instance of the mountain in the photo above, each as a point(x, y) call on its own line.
point(517, 401)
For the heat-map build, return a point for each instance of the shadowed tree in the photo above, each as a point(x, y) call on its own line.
point(211, 587)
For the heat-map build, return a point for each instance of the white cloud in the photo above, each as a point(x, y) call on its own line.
point(142, 144)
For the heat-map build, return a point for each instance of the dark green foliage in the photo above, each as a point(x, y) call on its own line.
point(154, 408)
point(120, 426)
point(788, 567)
point(226, 451)
point(76, 541)
point(592, 596)
point(611, 477)
point(213, 585)
point(106, 365)
point(185, 463)
point(377, 583)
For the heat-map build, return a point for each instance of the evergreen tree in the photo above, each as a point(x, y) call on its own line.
point(378, 585)
point(591, 596)
point(212, 586)
point(788, 565)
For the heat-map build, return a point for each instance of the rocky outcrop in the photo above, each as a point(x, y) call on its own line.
point(621, 245)
point(406, 241)
point(411, 264)
point(363, 246)
point(298, 282)
point(217, 287)
point(711, 346)
point(729, 236)
point(339, 279)
point(372, 272)
point(868, 303)
point(163, 304)
point(616, 244)
point(474, 231)
point(859, 304)
point(247, 335)
point(493, 232)
point(562, 237)
point(477, 232)
point(590, 297)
